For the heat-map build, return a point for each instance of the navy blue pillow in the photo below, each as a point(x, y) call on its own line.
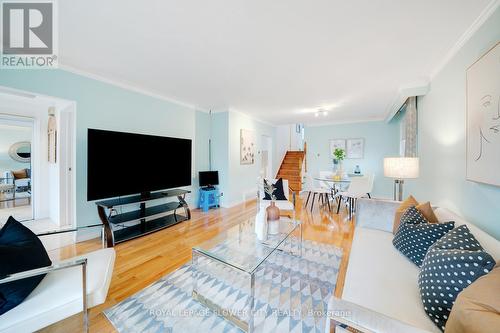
point(452, 264)
point(415, 235)
point(279, 193)
point(20, 250)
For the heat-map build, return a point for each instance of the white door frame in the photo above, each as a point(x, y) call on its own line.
point(18, 103)
point(267, 144)
point(67, 158)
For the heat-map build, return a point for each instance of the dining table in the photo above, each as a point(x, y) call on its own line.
point(336, 183)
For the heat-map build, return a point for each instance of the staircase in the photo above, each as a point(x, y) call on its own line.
point(291, 169)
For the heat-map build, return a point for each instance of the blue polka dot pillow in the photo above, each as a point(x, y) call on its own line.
point(415, 235)
point(451, 264)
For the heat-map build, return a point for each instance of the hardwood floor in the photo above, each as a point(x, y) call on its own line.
point(142, 261)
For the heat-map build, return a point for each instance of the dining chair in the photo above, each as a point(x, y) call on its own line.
point(358, 188)
point(315, 189)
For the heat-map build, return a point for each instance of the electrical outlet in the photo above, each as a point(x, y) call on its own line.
point(221, 194)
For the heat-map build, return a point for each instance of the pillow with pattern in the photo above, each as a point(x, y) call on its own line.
point(415, 235)
point(451, 264)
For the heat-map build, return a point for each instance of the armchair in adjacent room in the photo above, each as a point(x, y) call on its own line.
point(21, 179)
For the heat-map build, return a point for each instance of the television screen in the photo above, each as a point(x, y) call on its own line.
point(208, 178)
point(121, 163)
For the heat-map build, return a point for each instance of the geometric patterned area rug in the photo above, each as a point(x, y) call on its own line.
point(292, 295)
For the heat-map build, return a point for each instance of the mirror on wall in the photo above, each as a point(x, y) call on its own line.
point(21, 152)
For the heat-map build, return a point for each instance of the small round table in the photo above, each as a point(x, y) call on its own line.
point(333, 183)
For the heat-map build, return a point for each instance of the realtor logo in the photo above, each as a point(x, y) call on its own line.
point(28, 34)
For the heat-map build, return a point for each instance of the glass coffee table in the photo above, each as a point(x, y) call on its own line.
point(232, 259)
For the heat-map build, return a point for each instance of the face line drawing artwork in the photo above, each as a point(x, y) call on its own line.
point(494, 129)
point(482, 137)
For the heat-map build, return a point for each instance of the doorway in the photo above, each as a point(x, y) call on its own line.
point(16, 168)
point(266, 168)
point(51, 169)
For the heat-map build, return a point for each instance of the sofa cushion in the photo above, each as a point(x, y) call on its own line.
point(415, 235)
point(19, 174)
point(381, 279)
point(427, 211)
point(279, 193)
point(20, 250)
point(452, 263)
point(410, 201)
point(477, 307)
point(413, 216)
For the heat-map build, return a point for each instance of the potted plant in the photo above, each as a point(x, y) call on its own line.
point(273, 212)
point(339, 156)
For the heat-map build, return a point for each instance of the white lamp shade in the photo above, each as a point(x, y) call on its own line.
point(401, 167)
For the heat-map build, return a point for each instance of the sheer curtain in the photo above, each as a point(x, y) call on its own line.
point(409, 128)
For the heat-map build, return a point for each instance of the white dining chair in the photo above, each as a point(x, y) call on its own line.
point(358, 188)
point(316, 189)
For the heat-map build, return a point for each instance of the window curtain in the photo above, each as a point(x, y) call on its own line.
point(409, 129)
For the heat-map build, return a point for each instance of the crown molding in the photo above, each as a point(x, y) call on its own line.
point(474, 27)
point(129, 87)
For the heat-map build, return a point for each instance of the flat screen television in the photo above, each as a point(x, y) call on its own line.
point(208, 178)
point(121, 163)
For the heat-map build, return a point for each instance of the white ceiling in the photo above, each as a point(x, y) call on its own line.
point(276, 60)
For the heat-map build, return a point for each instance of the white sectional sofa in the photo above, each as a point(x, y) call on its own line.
point(381, 292)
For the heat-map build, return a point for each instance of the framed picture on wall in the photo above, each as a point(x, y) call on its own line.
point(483, 118)
point(247, 146)
point(336, 143)
point(355, 148)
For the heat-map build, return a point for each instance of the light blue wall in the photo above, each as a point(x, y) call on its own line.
point(202, 135)
point(381, 140)
point(442, 145)
point(101, 105)
point(220, 151)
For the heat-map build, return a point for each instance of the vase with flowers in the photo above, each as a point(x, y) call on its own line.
point(338, 158)
point(272, 211)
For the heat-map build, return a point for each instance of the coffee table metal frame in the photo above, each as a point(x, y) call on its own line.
point(226, 313)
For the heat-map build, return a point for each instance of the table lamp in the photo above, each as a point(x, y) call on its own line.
point(400, 168)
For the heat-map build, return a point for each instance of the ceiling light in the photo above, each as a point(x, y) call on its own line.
point(323, 113)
